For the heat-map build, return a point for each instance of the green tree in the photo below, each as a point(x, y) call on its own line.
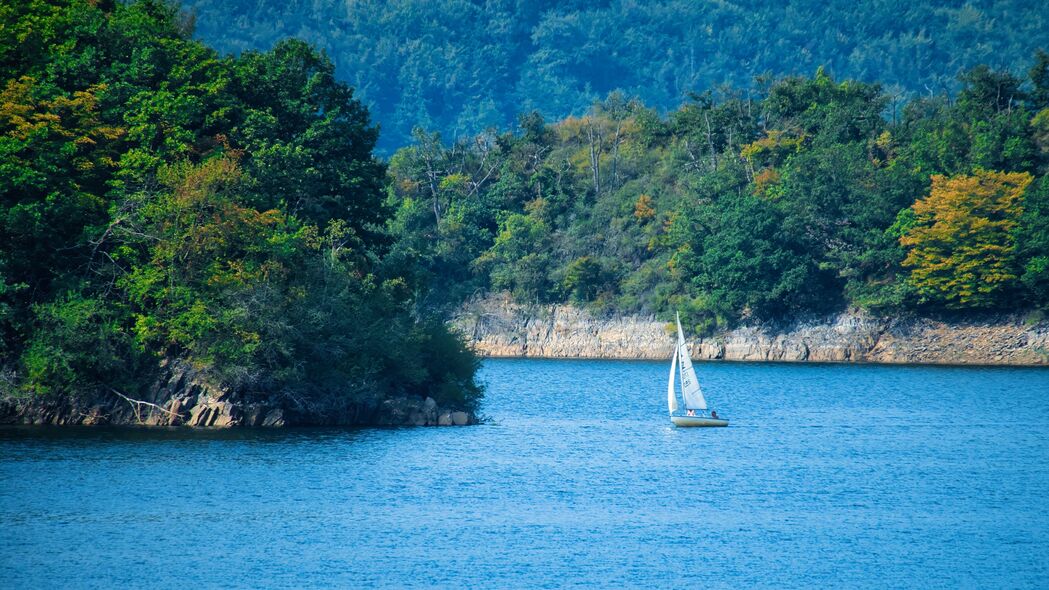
point(1032, 242)
point(308, 142)
point(519, 259)
point(584, 278)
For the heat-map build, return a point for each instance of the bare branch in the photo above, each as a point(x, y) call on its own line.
point(136, 405)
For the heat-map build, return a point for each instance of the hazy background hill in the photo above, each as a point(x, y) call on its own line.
point(459, 66)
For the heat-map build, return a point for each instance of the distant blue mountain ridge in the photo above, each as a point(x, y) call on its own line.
point(459, 66)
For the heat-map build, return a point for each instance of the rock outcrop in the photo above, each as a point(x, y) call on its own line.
point(497, 327)
point(420, 412)
point(184, 396)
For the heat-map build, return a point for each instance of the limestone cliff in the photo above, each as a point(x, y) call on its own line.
point(184, 396)
point(499, 328)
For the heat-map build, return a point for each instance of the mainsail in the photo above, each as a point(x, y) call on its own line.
point(671, 396)
point(689, 384)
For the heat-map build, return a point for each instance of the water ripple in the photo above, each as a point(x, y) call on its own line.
point(844, 476)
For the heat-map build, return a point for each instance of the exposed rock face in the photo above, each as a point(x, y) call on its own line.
point(497, 327)
point(419, 412)
point(184, 396)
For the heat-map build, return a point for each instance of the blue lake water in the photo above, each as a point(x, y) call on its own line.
point(829, 475)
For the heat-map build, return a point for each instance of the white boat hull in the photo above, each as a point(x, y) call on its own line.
point(685, 421)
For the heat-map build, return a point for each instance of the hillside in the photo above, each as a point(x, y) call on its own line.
point(459, 66)
point(811, 197)
point(162, 206)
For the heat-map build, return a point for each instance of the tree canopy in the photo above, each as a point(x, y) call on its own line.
point(814, 195)
point(159, 200)
point(461, 66)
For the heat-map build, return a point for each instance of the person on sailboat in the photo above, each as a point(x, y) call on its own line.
point(690, 413)
point(714, 414)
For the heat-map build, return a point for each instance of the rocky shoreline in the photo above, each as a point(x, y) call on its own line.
point(184, 396)
point(497, 327)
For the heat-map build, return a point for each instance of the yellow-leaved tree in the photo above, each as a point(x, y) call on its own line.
point(961, 245)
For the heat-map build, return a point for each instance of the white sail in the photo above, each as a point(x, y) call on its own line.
point(689, 383)
point(671, 396)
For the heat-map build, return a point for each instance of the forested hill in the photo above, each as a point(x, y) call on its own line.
point(800, 200)
point(458, 66)
point(160, 203)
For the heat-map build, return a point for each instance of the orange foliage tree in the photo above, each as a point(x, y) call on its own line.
point(962, 242)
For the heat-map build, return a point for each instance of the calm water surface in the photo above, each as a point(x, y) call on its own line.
point(829, 475)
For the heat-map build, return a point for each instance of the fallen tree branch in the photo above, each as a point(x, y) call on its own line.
point(136, 404)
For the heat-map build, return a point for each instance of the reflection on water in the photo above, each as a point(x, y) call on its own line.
point(828, 476)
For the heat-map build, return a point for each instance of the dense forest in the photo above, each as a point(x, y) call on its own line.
point(810, 196)
point(159, 201)
point(461, 66)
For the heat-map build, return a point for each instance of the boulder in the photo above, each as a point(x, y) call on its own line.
point(274, 418)
point(430, 411)
point(254, 415)
point(199, 415)
point(223, 416)
point(94, 417)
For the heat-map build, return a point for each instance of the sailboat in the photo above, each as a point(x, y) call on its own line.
point(690, 392)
